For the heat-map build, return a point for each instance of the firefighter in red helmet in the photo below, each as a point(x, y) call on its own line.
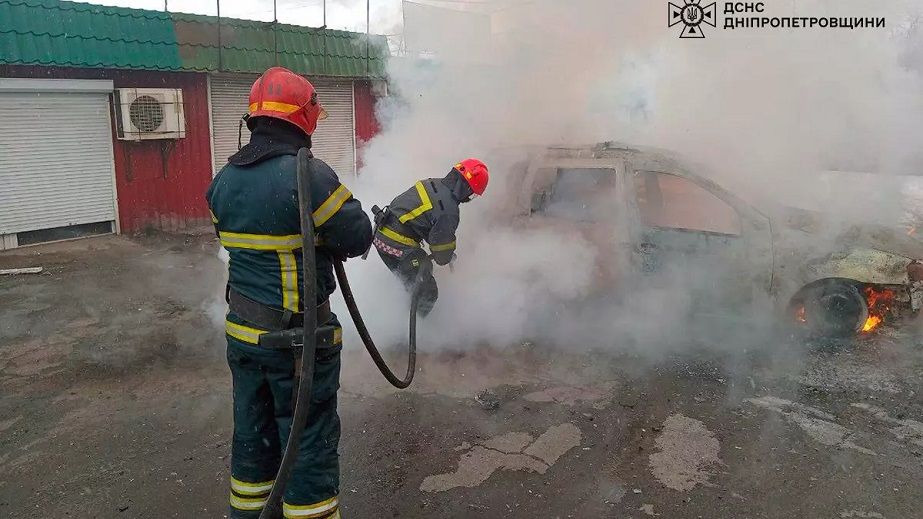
point(428, 211)
point(254, 205)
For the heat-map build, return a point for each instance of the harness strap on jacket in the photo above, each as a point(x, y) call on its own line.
point(268, 318)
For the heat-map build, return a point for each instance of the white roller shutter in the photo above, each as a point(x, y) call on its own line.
point(334, 141)
point(228, 103)
point(56, 165)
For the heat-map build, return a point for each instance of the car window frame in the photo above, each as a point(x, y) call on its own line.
point(549, 194)
point(541, 183)
point(709, 187)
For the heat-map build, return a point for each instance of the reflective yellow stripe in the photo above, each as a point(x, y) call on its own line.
point(327, 514)
point(237, 240)
point(331, 205)
point(252, 336)
point(288, 269)
point(274, 106)
point(251, 489)
point(248, 503)
point(307, 511)
point(243, 333)
point(400, 238)
point(214, 218)
point(425, 205)
point(442, 248)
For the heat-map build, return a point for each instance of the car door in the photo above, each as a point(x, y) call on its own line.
point(693, 236)
point(585, 198)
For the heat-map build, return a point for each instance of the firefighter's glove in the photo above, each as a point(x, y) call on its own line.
point(319, 243)
point(338, 256)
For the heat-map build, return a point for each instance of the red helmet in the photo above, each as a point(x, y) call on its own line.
point(282, 94)
point(475, 172)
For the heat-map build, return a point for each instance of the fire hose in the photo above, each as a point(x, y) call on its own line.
point(367, 338)
point(305, 375)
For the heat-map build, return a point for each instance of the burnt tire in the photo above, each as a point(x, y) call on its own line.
point(833, 308)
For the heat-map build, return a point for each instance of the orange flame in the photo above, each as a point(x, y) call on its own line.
point(871, 323)
point(879, 302)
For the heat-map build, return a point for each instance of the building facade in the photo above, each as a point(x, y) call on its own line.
point(89, 146)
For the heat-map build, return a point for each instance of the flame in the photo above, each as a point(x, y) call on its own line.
point(879, 302)
point(871, 323)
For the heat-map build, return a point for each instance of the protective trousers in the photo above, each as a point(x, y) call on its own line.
point(263, 390)
point(406, 268)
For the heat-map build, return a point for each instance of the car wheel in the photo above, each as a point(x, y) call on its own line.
point(832, 309)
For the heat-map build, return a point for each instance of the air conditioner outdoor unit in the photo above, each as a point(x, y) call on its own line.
point(380, 88)
point(149, 113)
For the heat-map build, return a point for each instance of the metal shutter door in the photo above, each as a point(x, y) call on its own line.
point(55, 160)
point(229, 96)
point(334, 141)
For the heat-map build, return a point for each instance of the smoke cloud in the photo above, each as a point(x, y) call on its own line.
point(764, 111)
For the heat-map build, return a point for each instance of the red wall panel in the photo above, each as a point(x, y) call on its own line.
point(160, 183)
point(366, 123)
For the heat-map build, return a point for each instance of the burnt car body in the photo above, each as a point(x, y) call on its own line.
point(654, 221)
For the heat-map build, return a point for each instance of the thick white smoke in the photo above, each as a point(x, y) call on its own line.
point(764, 109)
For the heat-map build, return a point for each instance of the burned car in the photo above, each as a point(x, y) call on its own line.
point(654, 221)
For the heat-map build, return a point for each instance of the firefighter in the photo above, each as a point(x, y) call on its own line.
point(428, 211)
point(254, 205)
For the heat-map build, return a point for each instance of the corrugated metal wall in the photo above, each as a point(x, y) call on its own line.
point(160, 183)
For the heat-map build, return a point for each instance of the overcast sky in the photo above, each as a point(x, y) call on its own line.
point(341, 14)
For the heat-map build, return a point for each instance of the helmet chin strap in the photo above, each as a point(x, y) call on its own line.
point(240, 130)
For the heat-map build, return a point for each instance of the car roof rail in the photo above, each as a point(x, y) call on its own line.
point(614, 145)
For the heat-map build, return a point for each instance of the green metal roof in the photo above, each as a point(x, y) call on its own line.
point(52, 32)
